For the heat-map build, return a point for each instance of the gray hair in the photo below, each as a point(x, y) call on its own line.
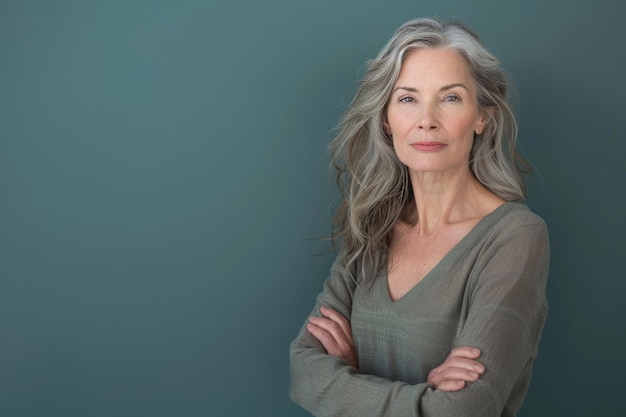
point(375, 185)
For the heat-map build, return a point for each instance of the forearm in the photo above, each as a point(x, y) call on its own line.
point(328, 386)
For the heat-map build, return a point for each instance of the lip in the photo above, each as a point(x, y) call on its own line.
point(429, 146)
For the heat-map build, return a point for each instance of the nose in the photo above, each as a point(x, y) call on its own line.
point(427, 118)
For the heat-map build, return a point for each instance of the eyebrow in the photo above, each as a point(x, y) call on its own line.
point(444, 88)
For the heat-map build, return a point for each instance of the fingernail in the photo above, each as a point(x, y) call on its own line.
point(479, 368)
point(473, 374)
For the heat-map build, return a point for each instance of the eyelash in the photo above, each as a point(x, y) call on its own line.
point(455, 98)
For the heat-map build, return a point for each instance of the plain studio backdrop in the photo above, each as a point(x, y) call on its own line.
point(163, 178)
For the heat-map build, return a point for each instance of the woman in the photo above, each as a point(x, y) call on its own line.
point(436, 302)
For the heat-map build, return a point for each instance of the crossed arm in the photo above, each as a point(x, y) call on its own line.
point(334, 333)
point(504, 323)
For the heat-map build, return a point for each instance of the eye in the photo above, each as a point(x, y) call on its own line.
point(406, 99)
point(453, 98)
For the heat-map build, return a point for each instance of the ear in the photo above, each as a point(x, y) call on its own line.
point(484, 119)
point(387, 128)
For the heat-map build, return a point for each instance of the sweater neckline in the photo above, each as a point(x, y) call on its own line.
point(457, 250)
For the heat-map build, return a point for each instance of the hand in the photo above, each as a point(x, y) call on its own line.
point(459, 367)
point(335, 334)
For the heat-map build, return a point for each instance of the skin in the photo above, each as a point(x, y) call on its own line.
point(334, 332)
point(432, 118)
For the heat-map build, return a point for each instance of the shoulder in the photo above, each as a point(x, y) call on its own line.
point(515, 244)
point(515, 224)
point(512, 216)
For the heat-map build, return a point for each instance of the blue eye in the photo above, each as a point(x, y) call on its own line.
point(452, 98)
point(406, 100)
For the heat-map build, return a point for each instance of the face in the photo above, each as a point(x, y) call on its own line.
point(433, 112)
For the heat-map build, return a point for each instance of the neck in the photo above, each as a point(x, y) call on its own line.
point(444, 201)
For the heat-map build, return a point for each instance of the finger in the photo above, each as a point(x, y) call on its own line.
point(451, 386)
point(453, 374)
point(332, 327)
point(468, 364)
point(467, 352)
point(343, 323)
point(334, 347)
point(325, 338)
point(330, 334)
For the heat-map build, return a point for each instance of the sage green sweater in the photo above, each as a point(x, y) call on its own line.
point(487, 292)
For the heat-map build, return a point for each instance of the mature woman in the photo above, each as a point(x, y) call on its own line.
point(436, 302)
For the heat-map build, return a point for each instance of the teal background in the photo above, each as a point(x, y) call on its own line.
point(163, 170)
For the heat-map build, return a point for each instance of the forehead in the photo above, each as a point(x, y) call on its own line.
point(434, 65)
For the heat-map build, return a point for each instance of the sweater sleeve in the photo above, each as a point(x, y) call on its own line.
point(328, 386)
point(504, 318)
point(506, 311)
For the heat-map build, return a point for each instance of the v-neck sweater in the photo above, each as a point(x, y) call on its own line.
point(488, 292)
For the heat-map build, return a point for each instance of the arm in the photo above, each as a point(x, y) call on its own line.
point(327, 385)
point(506, 313)
point(504, 319)
point(334, 332)
point(504, 316)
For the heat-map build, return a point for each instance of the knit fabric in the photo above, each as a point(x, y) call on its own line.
point(487, 292)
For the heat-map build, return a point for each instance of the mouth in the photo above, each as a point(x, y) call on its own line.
point(430, 146)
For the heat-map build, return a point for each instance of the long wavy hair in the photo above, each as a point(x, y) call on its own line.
point(375, 186)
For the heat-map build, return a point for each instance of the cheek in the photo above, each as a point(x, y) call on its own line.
point(464, 127)
point(396, 123)
point(401, 150)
